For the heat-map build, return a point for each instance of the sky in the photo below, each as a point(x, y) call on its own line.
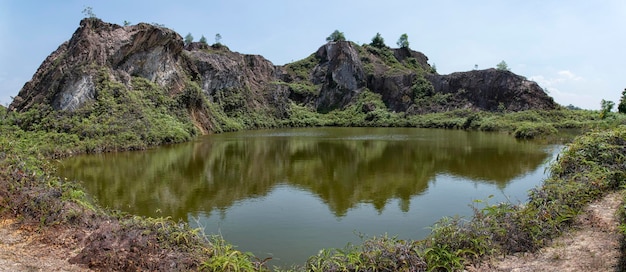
point(574, 49)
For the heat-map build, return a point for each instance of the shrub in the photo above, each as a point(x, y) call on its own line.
point(529, 130)
point(374, 254)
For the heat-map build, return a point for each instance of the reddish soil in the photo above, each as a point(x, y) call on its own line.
point(25, 249)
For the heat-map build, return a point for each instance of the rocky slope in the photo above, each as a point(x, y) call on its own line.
point(214, 84)
point(490, 89)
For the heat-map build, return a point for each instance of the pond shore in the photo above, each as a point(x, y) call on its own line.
point(593, 245)
point(108, 240)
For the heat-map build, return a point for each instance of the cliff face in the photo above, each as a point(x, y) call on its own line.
point(491, 88)
point(245, 85)
point(66, 79)
point(340, 75)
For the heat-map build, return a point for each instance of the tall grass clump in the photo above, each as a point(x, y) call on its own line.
point(374, 254)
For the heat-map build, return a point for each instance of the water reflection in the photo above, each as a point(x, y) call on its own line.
point(344, 167)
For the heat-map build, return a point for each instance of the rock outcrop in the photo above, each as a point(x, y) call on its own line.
point(331, 78)
point(340, 74)
point(66, 79)
point(492, 89)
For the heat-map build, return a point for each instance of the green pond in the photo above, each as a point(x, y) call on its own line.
point(288, 193)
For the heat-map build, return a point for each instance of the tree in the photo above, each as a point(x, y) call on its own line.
point(621, 108)
point(88, 12)
point(126, 23)
point(188, 38)
point(502, 66)
point(403, 41)
point(572, 107)
point(203, 40)
point(378, 41)
point(218, 39)
point(336, 36)
point(607, 106)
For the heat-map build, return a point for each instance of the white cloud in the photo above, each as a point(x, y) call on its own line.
point(567, 88)
point(564, 76)
point(584, 101)
point(568, 75)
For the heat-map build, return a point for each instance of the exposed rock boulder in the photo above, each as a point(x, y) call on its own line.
point(340, 73)
point(493, 90)
point(404, 54)
point(66, 78)
point(236, 81)
point(395, 89)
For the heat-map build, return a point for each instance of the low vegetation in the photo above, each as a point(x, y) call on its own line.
point(145, 115)
point(370, 110)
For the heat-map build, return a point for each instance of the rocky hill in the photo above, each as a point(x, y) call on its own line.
point(211, 85)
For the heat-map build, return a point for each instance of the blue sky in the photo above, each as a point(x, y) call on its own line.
point(575, 49)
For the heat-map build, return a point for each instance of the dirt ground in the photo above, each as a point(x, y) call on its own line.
point(593, 245)
point(25, 250)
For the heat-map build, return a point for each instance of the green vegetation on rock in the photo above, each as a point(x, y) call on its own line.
point(502, 66)
point(403, 41)
point(378, 41)
point(336, 36)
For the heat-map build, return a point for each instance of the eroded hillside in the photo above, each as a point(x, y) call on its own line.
point(147, 71)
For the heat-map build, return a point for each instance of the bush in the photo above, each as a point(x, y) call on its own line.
point(375, 254)
point(529, 130)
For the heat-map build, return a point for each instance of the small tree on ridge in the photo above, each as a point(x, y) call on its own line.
point(203, 40)
point(607, 107)
point(621, 108)
point(88, 12)
point(218, 39)
point(336, 36)
point(403, 41)
point(378, 41)
point(188, 38)
point(502, 66)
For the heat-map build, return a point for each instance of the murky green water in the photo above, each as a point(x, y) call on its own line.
point(289, 193)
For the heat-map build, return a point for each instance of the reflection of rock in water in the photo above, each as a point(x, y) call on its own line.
point(220, 170)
